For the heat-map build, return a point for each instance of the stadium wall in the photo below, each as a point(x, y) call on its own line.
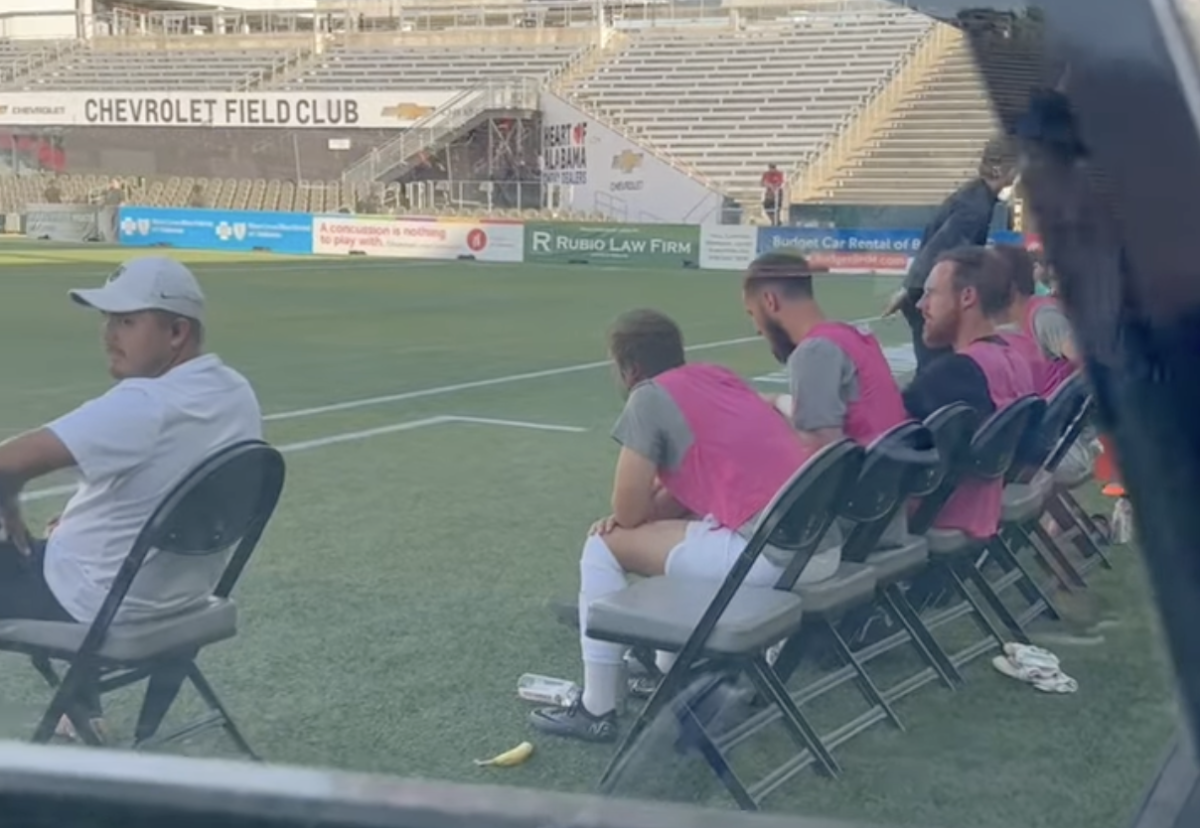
point(656, 245)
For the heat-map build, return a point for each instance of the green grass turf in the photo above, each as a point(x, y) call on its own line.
point(401, 588)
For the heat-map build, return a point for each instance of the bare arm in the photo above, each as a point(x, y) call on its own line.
point(634, 498)
point(24, 458)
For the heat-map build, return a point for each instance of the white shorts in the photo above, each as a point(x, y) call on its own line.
point(709, 551)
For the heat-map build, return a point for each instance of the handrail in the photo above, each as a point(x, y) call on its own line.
point(517, 93)
point(816, 172)
point(258, 77)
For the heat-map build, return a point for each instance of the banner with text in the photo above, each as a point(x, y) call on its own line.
point(408, 237)
point(854, 251)
point(636, 245)
point(231, 230)
point(290, 110)
point(64, 222)
point(728, 247)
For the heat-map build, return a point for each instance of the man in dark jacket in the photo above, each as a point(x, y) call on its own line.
point(963, 219)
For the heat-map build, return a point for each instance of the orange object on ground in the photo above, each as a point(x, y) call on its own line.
point(1105, 470)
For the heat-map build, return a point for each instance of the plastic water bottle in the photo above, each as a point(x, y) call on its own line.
point(1122, 521)
point(547, 690)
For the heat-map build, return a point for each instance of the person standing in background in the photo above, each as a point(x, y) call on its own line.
point(963, 219)
point(772, 184)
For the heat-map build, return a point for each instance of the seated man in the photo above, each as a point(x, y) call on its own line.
point(171, 407)
point(965, 290)
point(720, 453)
point(838, 377)
point(1035, 324)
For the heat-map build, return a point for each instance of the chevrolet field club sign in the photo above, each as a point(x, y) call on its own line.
point(289, 110)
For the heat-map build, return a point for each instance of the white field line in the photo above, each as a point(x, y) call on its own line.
point(421, 393)
point(354, 436)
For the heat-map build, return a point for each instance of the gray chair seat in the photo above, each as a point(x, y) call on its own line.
point(215, 621)
point(1024, 502)
point(896, 562)
point(950, 542)
point(851, 585)
point(664, 611)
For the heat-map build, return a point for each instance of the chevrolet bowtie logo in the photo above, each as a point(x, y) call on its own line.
point(627, 161)
point(3, 109)
point(406, 111)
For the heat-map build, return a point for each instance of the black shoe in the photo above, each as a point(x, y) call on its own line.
point(575, 722)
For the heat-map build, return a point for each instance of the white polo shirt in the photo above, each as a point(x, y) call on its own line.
point(131, 446)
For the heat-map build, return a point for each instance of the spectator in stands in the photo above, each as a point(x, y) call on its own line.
point(114, 196)
point(196, 197)
point(171, 407)
point(701, 456)
point(965, 290)
point(962, 219)
point(839, 381)
point(52, 194)
point(772, 184)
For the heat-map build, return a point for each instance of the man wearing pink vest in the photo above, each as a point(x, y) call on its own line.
point(839, 381)
point(701, 456)
point(965, 290)
point(1033, 324)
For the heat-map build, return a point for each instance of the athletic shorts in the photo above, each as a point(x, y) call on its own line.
point(709, 551)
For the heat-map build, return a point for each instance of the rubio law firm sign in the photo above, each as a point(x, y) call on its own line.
point(639, 245)
point(287, 110)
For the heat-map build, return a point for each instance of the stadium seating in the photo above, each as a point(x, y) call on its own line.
point(158, 69)
point(427, 67)
point(730, 101)
point(939, 129)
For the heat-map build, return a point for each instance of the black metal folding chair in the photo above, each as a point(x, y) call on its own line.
point(893, 465)
point(223, 504)
point(953, 553)
point(1030, 487)
point(722, 631)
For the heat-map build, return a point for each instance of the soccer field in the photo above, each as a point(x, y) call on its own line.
point(446, 428)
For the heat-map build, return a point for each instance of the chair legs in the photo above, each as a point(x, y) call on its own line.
point(78, 691)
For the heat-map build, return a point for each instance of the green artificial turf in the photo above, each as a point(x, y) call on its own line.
point(400, 590)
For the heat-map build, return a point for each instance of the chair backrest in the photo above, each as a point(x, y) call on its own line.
point(804, 508)
point(795, 520)
point(952, 427)
point(892, 463)
point(1067, 413)
point(225, 502)
point(997, 442)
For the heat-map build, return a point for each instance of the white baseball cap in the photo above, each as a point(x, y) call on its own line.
point(151, 283)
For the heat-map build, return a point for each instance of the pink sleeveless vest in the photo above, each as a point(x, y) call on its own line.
point(742, 451)
point(975, 506)
point(1056, 371)
point(879, 405)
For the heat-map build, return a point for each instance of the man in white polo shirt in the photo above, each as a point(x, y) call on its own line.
point(172, 407)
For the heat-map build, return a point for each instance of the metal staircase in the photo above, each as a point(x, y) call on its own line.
point(453, 118)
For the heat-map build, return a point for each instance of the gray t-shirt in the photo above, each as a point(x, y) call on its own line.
point(823, 382)
point(652, 425)
point(1051, 330)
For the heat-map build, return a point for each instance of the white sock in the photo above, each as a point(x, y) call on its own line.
point(599, 576)
point(603, 684)
point(664, 661)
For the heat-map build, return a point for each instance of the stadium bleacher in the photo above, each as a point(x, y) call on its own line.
point(132, 69)
point(938, 128)
point(729, 102)
point(426, 67)
point(725, 94)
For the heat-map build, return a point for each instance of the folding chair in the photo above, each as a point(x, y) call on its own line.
point(222, 504)
point(1076, 524)
point(1030, 486)
point(723, 630)
point(953, 553)
point(892, 465)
